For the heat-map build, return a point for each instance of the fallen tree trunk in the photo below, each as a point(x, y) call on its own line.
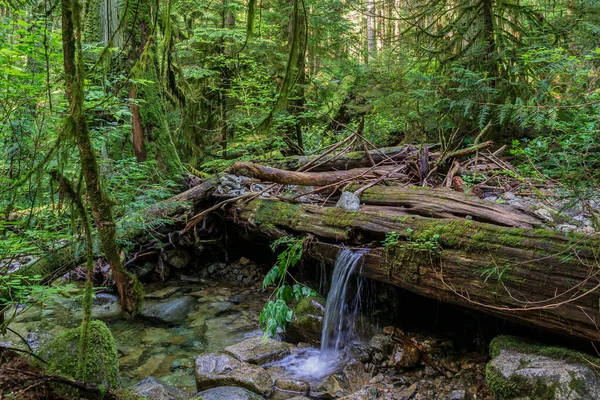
point(282, 176)
point(534, 276)
point(445, 203)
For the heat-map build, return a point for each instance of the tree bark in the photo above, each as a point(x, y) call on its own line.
point(535, 276)
point(76, 123)
point(276, 175)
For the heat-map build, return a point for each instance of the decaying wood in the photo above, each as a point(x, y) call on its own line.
point(534, 276)
point(446, 203)
point(351, 160)
point(276, 175)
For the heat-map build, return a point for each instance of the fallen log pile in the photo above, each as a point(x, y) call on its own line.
point(442, 242)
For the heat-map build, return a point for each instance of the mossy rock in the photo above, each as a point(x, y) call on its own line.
point(307, 321)
point(523, 370)
point(102, 363)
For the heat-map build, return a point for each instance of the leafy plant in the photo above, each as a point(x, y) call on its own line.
point(276, 314)
point(391, 239)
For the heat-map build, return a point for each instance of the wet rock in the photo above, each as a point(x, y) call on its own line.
point(227, 393)
point(152, 389)
point(404, 356)
point(170, 310)
point(292, 385)
point(360, 352)
point(334, 385)
point(106, 306)
point(307, 321)
point(355, 375)
point(348, 201)
point(214, 370)
point(178, 258)
point(382, 344)
point(155, 335)
point(162, 293)
point(520, 371)
point(258, 351)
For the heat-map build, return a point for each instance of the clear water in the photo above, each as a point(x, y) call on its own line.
point(339, 324)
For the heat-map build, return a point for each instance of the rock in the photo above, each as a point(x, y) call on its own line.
point(382, 344)
point(150, 366)
point(355, 375)
point(458, 395)
point(152, 389)
point(258, 351)
point(213, 370)
point(521, 370)
point(360, 352)
point(307, 321)
point(348, 201)
point(170, 310)
point(334, 385)
point(106, 306)
point(404, 356)
point(244, 261)
point(178, 258)
point(102, 365)
point(238, 298)
point(227, 393)
point(408, 393)
point(292, 386)
point(155, 335)
point(162, 293)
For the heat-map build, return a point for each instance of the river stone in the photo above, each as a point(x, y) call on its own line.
point(258, 351)
point(214, 370)
point(348, 201)
point(227, 393)
point(106, 306)
point(513, 374)
point(382, 343)
point(170, 310)
point(307, 321)
point(162, 293)
point(152, 389)
point(292, 385)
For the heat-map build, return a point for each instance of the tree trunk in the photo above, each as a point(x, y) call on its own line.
point(535, 276)
point(76, 123)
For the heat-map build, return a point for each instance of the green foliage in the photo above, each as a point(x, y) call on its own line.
point(497, 272)
point(22, 292)
point(276, 314)
point(391, 239)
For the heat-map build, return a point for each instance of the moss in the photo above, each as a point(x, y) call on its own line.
point(101, 366)
point(558, 353)
point(128, 394)
point(517, 386)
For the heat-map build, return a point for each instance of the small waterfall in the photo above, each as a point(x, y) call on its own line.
point(339, 321)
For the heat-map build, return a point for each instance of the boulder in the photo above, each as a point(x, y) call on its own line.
point(348, 201)
point(227, 393)
point(152, 389)
point(258, 351)
point(214, 370)
point(171, 310)
point(105, 306)
point(307, 321)
point(355, 375)
point(101, 364)
point(520, 370)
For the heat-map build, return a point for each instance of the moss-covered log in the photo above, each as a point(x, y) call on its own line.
point(445, 203)
point(535, 276)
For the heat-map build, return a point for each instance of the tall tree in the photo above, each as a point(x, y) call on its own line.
point(76, 126)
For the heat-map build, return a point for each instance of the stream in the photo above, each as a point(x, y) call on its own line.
point(202, 315)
